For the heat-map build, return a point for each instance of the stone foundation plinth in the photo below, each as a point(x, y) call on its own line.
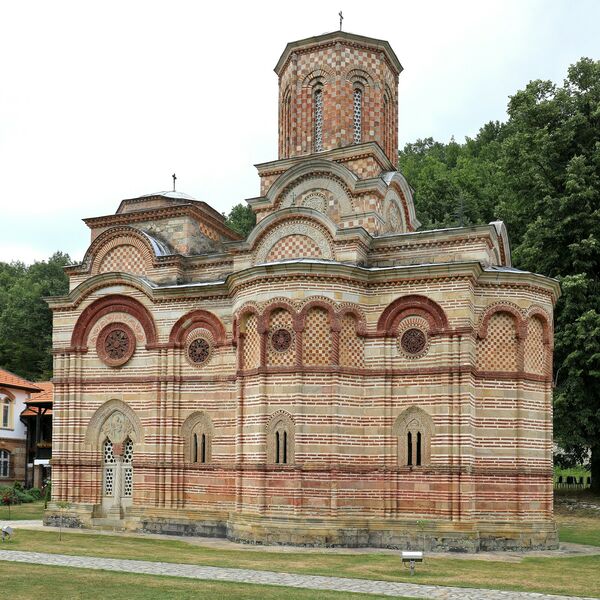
point(433, 536)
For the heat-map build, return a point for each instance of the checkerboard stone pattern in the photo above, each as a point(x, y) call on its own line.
point(352, 351)
point(535, 350)
point(316, 338)
point(498, 351)
point(281, 319)
point(294, 246)
point(251, 344)
point(125, 258)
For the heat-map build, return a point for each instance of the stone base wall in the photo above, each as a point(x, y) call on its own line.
point(17, 461)
point(433, 536)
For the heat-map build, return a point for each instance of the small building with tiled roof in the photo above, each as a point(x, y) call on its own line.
point(14, 391)
point(37, 416)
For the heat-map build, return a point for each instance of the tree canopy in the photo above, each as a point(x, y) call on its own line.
point(540, 173)
point(25, 319)
point(241, 218)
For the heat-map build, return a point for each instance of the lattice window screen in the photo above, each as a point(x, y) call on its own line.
point(357, 116)
point(318, 120)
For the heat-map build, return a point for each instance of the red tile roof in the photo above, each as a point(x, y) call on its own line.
point(45, 396)
point(10, 380)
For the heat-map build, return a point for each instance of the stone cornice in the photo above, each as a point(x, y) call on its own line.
point(329, 39)
point(345, 154)
point(167, 212)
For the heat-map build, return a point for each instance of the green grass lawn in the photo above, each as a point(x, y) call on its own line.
point(578, 526)
point(32, 582)
point(546, 575)
point(20, 512)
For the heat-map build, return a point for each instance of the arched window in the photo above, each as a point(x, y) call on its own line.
point(109, 468)
point(197, 432)
point(357, 120)
point(386, 124)
point(318, 119)
point(413, 429)
point(6, 422)
point(4, 463)
point(280, 440)
point(287, 122)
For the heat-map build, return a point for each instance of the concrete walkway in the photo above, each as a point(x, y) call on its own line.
point(313, 582)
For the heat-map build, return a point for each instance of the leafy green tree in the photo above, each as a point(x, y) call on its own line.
point(25, 319)
point(242, 219)
point(540, 173)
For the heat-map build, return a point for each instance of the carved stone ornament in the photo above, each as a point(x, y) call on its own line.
point(117, 427)
point(413, 341)
point(281, 340)
point(115, 344)
point(199, 351)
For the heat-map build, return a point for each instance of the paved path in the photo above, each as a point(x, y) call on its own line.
point(313, 582)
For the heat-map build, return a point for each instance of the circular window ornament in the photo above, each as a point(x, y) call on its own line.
point(413, 342)
point(198, 351)
point(281, 340)
point(116, 344)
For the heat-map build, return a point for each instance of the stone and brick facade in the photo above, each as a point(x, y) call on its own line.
point(332, 379)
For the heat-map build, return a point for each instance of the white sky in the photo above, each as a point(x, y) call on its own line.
point(101, 101)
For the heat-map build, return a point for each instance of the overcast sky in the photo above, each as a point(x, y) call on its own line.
point(101, 101)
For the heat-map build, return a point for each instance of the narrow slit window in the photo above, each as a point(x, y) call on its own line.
point(409, 449)
point(6, 412)
point(195, 448)
point(277, 447)
point(318, 120)
point(418, 449)
point(284, 447)
point(203, 447)
point(357, 115)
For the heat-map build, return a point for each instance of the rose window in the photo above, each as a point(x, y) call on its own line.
point(413, 341)
point(281, 340)
point(116, 344)
point(199, 351)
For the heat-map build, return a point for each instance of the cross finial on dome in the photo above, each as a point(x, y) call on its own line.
point(174, 180)
point(341, 19)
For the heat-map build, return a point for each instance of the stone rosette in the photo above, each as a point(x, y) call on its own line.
point(412, 338)
point(281, 339)
point(199, 347)
point(116, 344)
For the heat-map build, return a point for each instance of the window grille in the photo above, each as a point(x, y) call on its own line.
point(4, 463)
point(318, 120)
point(357, 116)
point(109, 468)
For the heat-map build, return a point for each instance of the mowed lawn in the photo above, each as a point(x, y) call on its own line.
point(21, 512)
point(578, 576)
point(32, 582)
point(569, 576)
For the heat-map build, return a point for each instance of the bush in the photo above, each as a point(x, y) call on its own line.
point(23, 497)
point(35, 493)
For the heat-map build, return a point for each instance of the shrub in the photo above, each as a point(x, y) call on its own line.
point(35, 493)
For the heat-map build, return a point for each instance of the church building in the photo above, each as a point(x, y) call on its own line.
point(338, 378)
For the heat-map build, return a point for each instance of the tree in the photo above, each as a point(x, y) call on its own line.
point(25, 319)
point(540, 173)
point(242, 219)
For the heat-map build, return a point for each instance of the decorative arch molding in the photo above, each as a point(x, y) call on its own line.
point(280, 304)
point(322, 76)
point(544, 317)
point(413, 420)
point(201, 422)
point(116, 421)
point(311, 169)
point(361, 322)
point(106, 305)
point(319, 302)
point(103, 280)
point(412, 305)
point(360, 76)
point(295, 226)
point(394, 212)
point(397, 182)
point(6, 392)
point(193, 320)
point(503, 307)
point(241, 316)
point(120, 235)
point(280, 423)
